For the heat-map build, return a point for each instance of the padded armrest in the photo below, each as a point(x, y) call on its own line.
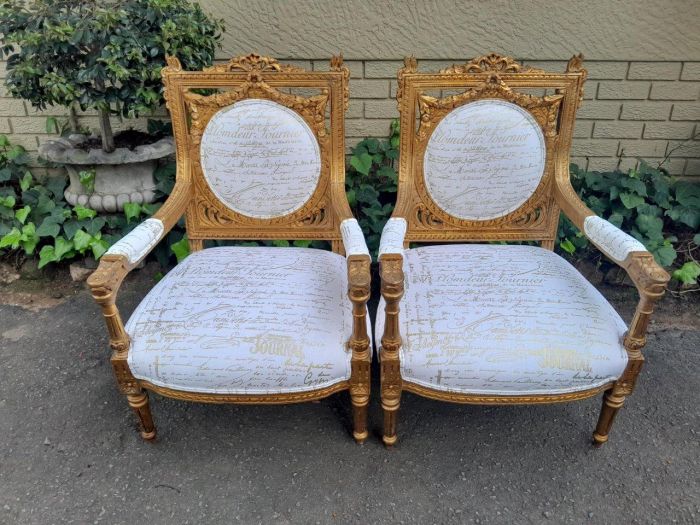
point(353, 238)
point(609, 239)
point(137, 244)
point(393, 236)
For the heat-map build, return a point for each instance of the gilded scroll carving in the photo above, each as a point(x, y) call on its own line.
point(490, 63)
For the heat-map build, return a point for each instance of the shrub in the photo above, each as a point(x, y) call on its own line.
point(103, 55)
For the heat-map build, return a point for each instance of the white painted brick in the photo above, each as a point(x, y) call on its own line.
point(594, 147)
point(581, 162)
point(618, 129)
point(381, 109)
point(4, 125)
point(355, 67)
point(28, 142)
point(623, 90)
point(686, 111)
point(646, 110)
point(378, 128)
point(355, 109)
point(28, 124)
point(674, 91)
point(599, 110)
point(382, 68)
point(684, 148)
point(606, 70)
point(11, 107)
point(691, 71)
point(603, 163)
point(692, 167)
point(583, 128)
point(370, 88)
point(668, 130)
point(654, 71)
point(643, 148)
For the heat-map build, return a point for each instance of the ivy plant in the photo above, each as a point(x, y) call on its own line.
point(105, 55)
point(371, 181)
point(660, 212)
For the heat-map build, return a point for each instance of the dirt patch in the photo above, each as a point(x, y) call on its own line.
point(41, 293)
point(130, 139)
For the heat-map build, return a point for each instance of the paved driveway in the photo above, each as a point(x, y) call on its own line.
point(69, 451)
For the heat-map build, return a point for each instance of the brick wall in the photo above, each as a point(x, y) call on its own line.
point(632, 109)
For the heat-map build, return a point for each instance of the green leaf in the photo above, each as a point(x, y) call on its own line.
point(181, 249)
point(52, 125)
point(665, 254)
point(11, 239)
point(688, 273)
point(696, 239)
point(362, 163)
point(81, 240)
point(94, 226)
point(62, 247)
point(84, 213)
point(46, 255)
point(132, 210)
point(567, 246)
point(48, 228)
point(280, 244)
point(302, 244)
point(98, 247)
point(651, 226)
point(8, 202)
point(56, 185)
point(21, 214)
point(26, 181)
point(688, 194)
point(630, 200)
point(87, 180)
point(29, 238)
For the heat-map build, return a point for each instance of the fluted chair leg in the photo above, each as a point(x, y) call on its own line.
point(612, 403)
point(359, 416)
point(139, 402)
point(390, 415)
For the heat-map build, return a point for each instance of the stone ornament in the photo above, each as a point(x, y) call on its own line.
point(136, 244)
point(484, 160)
point(611, 240)
point(260, 158)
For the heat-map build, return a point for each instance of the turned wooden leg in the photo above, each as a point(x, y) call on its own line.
point(139, 402)
point(611, 405)
point(359, 416)
point(390, 437)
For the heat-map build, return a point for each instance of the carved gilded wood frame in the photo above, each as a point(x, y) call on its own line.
point(497, 77)
point(207, 217)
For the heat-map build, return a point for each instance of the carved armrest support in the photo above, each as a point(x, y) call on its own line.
point(359, 289)
point(392, 287)
point(121, 258)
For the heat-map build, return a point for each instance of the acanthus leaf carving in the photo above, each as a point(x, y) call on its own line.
point(252, 62)
point(490, 63)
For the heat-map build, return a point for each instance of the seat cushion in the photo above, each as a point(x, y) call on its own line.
point(504, 320)
point(245, 320)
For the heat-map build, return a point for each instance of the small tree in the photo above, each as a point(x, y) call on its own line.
point(101, 54)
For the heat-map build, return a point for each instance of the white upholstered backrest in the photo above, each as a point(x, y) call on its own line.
point(261, 159)
point(484, 160)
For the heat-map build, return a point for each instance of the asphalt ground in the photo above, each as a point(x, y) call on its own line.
point(70, 451)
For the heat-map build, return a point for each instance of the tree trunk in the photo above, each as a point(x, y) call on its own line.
point(106, 131)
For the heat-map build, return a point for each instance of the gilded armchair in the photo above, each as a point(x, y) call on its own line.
point(248, 324)
point(495, 323)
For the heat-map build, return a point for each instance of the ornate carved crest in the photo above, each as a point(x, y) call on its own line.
point(575, 65)
point(338, 65)
point(490, 63)
point(252, 62)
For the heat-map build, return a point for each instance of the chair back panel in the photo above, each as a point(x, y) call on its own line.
point(479, 164)
point(260, 158)
point(263, 161)
point(484, 160)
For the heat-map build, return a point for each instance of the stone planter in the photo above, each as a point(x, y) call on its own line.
point(121, 176)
